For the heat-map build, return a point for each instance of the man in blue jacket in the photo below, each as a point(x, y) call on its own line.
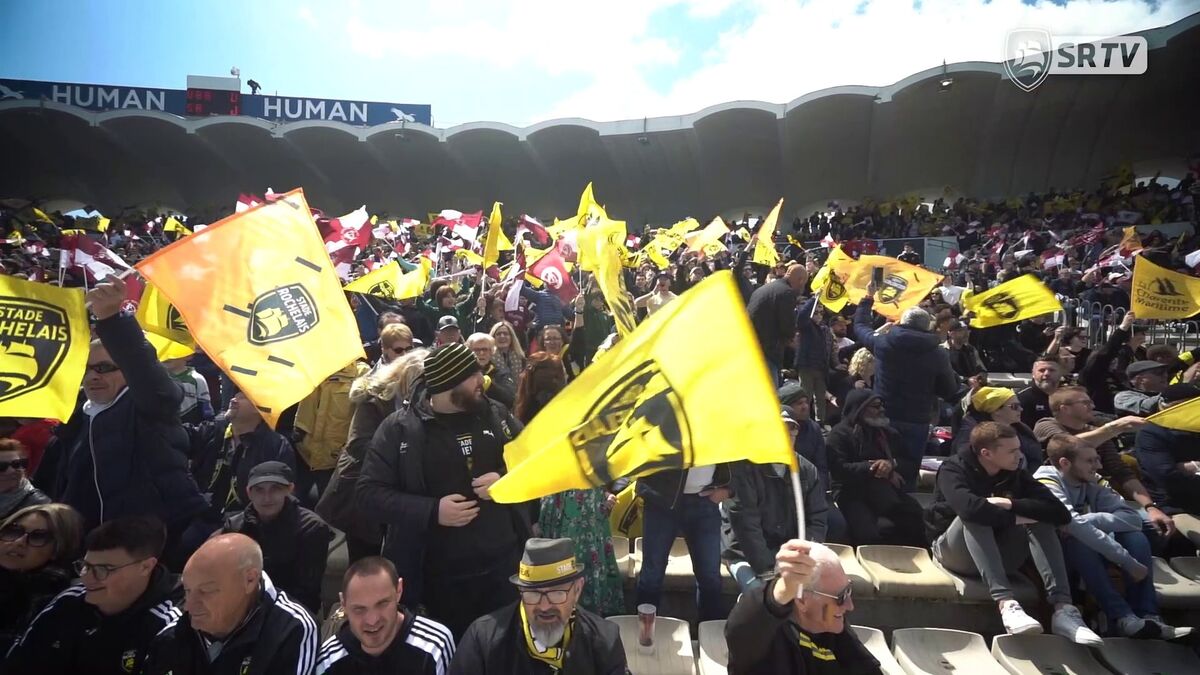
point(912, 372)
point(123, 451)
point(1170, 459)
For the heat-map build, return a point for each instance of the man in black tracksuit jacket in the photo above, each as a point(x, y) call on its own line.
point(126, 456)
point(71, 636)
point(436, 456)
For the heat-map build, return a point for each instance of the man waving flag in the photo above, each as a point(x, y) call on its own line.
point(260, 296)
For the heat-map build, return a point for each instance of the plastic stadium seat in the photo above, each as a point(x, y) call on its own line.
point(1147, 657)
point(930, 651)
point(679, 576)
point(905, 572)
point(873, 640)
point(1189, 526)
point(1043, 655)
point(1174, 590)
point(863, 587)
point(974, 589)
point(672, 651)
point(714, 653)
point(1188, 566)
point(624, 557)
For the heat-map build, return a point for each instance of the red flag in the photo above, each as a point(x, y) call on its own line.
point(552, 270)
point(530, 224)
point(352, 230)
point(568, 246)
point(464, 225)
point(81, 251)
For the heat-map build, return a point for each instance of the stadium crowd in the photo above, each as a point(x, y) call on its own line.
point(167, 528)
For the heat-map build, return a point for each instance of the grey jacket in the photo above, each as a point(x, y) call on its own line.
point(1134, 402)
point(1096, 512)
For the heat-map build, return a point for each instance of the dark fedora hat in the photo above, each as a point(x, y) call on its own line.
point(547, 562)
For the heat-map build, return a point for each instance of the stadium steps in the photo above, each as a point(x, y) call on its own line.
point(713, 658)
point(875, 642)
point(1147, 657)
point(1187, 566)
point(942, 651)
point(672, 653)
point(1043, 655)
point(1174, 590)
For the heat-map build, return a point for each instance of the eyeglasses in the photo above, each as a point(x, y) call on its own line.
point(556, 597)
point(35, 538)
point(1013, 406)
point(839, 599)
point(103, 368)
point(400, 350)
point(99, 571)
point(20, 463)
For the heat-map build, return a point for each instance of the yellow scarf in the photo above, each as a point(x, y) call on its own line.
point(553, 656)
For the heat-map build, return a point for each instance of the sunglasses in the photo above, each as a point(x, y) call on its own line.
point(35, 538)
point(839, 599)
point(103, 368)
point(14, 464)
point(99, 571)
point(556, 597)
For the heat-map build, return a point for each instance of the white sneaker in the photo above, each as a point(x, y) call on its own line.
point(1141, 629)
point(1168, 632)
point(1016, 621)
point(1068, 622)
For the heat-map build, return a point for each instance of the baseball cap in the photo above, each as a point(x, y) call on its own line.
point(447, 322)
point(270, 472)
point(1139, 367)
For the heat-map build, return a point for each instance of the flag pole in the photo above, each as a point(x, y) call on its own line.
point(799, 497)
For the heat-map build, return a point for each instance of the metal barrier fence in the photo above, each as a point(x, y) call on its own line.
point(1097, 321)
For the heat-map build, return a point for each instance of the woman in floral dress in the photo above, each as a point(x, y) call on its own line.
point(581, 515)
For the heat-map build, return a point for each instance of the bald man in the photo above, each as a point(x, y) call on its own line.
point(772, 310)
point(235, 621)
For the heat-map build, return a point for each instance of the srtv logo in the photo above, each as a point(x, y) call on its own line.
point(1033, 54)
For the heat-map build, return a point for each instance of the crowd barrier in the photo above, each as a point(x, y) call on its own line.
point(1097, 322)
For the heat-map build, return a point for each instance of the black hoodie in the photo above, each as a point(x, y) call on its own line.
point(70, 636)
point(853, 446)
point(963, 487)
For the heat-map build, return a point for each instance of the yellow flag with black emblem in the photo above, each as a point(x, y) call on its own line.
point(904, 285)
point(830, 280)
point(260, 296)
point(764, 246)
point(658, 400)
point(599, 252)
point(1160, 293)
point(157, 315)
point(1180, 417)
point(390, 282)
point(1022, 298)
point(44, 340)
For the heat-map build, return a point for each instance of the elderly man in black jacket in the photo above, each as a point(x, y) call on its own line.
point(427, 475)
point(546, 631)
point(796, 624)
point(989, 515)
point(912, 372)
point(123, 452)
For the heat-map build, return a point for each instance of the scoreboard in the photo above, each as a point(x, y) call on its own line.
point(204, 102)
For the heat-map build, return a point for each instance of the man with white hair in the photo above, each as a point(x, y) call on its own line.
point(912, 372)
point(235, 621)
point(796, 625)
point(498, 383)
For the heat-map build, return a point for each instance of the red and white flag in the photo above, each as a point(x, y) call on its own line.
point(83, 252)
point(245, 202)
point(552, 270)
point(953, 260)
point(350, 231)
point(463, 225)
point(568, 245)
point(828, 241)
point(531, 225)
point(1052, 258)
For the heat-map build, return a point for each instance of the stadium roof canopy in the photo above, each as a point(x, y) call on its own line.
point(983, 137)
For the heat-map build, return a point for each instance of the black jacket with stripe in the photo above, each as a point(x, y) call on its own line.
point(278, 638)
point(70, 636)
point(421, 647)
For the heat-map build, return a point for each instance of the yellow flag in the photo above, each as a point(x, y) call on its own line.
point(1160, 293)
point(599, 252)
point(471, 257)
point(839, 261)
point(272, 313)
point(657, 258)
point(157, 315)
point(830, 281)
point(764, 247)
point(102, 224)
point(1131, 241)
point(390, 282)
point(904, 285)
point(43, 348)
point(1022, 298)
point(173, 225)
point(588, 208)
point(711, 234)
point(592, 240)
point(167, 349)
point(658, 400)
point(1180, 417)
point(491, 245)
point(41, 215)
point(684, 226)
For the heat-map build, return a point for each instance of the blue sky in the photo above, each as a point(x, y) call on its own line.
point(525, 61)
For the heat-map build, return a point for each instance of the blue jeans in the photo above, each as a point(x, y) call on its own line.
point(1092, 568)
point(914, 438)
point(700, 522)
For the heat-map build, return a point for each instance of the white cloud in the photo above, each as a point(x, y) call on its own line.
point(781, 49)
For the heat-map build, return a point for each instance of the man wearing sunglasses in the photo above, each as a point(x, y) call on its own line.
point(545, 631)
point(796, 624)
point(123, 452)
point(105, 623)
